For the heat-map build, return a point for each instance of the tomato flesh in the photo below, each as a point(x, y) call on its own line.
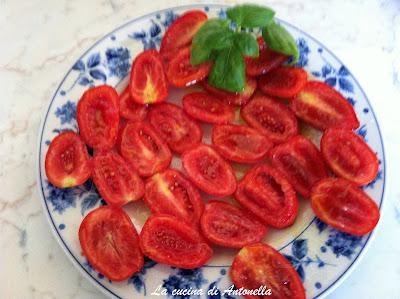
point(341, 204)
point(171, 241)
point(130, 110)
point(110, 243)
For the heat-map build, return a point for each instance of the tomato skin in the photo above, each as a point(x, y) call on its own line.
point(300, 161)
point(115, 179)
point(207, 108)
point(229, 226)
point(341, 204)
point(144, 148)
point(353, 160)
point(130, 110)
point(98, 117)
point(321, 106)
point(169, 192)
point(266, 193)
point(67, 162)
point(171, 241)
point(178, 130)
point(282, 278)
point(283, 82)
point(209, 171)
point(240, 143)
point(271, 118)
point(148, 83)
point(110, 242)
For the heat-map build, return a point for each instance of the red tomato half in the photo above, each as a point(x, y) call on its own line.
point(240, 143)
point(271, 118)
point(175, 127)
point(283, 82)
point(266, 193)
point(171, 241)
point(321, 106)
point(110, 242)
point(209, 171)
point(98, 117)
point(207, 108)
point(169, 192)
point(301, 163)
point(229, 226)
point(148, 83)
point(261, 265)
point(234, 98)
point(116, 181)
point(67, 161)
point(129, 109)
point(266, 61)
point(143, 147)
point(342, 205)
point(349, 156)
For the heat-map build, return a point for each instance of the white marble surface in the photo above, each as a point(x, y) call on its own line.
point(40, 40)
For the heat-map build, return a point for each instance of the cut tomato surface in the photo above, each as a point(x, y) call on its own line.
point(178, 130)
point(229, 226)
point(207, 108)
point(266, 193)
point(142, 146)
point(349, 156)
point(130, 110)
point(301, 162)
point(116, 180)
point(98, 117)
point(110, 243)
point(240, 143)
point(339, 203)
point(283, 82)
point(169, 192)
point(321, 106)
point(148, 83)
point(260, 265)
point(67, 161)
point(271, 118)
point(209, 171)
point(171, 241)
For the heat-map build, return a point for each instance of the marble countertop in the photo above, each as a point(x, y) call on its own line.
point(40, 40)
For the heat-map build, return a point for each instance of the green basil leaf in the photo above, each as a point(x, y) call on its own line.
point(250, 15)
point(280, 40)
point(228, 71)
point(247, 44)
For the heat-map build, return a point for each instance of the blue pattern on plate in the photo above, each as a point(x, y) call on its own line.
point(184, 279)
point(118, 61)
point(66, 113)
point(138, 280)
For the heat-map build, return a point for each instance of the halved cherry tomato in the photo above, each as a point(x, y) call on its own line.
point(169, 192)
point(261, 265)
point(148, 83)
point(98, 117)
point(110, 242)
point(240, 143)
point(234, 98)
point(181, 72)
point(229, 226)
point(266, 193)
point(349, 156)
point(171, 241)
point(341, 204)
point(144, 148)
point(207, 108)
point(115, 179)
point(180, 33)
point(129, 109)
point(271, 118)
point(67, 161)
point(175, 127)
point(321, 106)
point(209, 171)
point(266, 61)
point(301, 163)
point(283, 82)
